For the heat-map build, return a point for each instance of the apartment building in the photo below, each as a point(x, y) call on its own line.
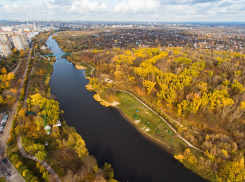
point(5, 49)
point(4, 38)
point(24, 40)
point(7, 29)
point(18, 42)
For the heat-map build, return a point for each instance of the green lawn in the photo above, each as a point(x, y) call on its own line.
point(148, 121)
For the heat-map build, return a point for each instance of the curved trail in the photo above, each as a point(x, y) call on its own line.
point(188, 143)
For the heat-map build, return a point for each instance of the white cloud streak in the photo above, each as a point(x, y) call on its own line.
point(144, 10)
point(137, 6)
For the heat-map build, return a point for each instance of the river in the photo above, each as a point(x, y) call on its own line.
point(108, 136)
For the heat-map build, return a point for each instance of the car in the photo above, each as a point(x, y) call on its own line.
point(5, 117)
point(4, 160)
point(2, 122)
point(1, 132)
point(7, 174)
point(1, 128)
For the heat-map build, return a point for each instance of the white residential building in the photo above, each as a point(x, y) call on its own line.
point(18, 42)
point(5, 49)
point(24, 40)
point(4, 37)
point(7, 29)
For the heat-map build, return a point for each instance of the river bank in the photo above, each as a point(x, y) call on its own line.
point(109, 136)
point(62, 147)
point(176, 146)
point(108, 104)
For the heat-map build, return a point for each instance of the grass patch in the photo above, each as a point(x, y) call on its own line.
point(148, 121)
point(2, 179)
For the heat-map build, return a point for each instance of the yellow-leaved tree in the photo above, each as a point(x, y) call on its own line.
point(149, 85)
point(50, 108)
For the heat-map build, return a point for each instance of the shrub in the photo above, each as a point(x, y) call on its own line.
point(46, 175)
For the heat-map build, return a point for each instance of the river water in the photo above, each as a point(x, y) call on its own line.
point(108, 136)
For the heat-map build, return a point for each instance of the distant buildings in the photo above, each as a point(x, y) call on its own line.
point(7, 29)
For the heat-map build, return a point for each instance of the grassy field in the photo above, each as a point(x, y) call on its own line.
point(2, 179)
point(147, 121)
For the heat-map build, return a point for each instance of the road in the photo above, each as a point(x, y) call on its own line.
point(15, 176)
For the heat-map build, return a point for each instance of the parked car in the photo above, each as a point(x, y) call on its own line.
point(1, 132)
point(5, 116)
point(3, 121)
point(1, 128)
point(7, 174)
point(4, 160)
point(2, 124)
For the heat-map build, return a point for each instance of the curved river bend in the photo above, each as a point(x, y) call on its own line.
point(108, 136)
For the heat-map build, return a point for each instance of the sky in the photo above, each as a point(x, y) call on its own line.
point(125, 10)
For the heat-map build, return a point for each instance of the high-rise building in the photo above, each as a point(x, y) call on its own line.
point(21, 30)
point(24, 40)
point(5, 49)
point(35, 28)
point(4, 37)
point(18, 42)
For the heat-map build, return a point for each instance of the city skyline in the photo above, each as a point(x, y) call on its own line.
point(125, 10)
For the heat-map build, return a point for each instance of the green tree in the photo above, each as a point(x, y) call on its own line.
point(41, 155)
point(109, 171)
point(42, 169)
point(46, 175)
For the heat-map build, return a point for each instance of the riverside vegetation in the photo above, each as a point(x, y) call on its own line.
point(64, 150)
point(200, 92)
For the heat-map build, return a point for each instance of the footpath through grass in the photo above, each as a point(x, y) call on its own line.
point(147, 121)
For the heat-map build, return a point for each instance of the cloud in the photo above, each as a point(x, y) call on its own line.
point(12, 8)
point(173, 2)
point(137, 6)
point(62, 2)
point(226, 3)
point(1, 5)
point(124, 10)
point(87, 7)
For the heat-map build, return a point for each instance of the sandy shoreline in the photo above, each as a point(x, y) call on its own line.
point(79, 67)
point(149, 137)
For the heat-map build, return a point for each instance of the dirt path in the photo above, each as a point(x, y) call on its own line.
point(188, 143)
